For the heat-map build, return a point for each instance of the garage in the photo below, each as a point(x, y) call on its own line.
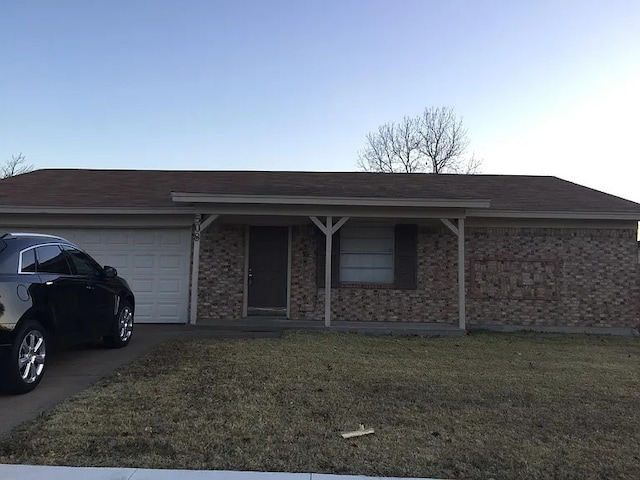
point(155, 262)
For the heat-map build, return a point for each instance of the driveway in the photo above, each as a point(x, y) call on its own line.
point(71, 371)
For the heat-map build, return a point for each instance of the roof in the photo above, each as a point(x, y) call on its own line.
point(153, 188)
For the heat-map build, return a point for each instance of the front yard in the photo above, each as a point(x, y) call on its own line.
point(499, 406)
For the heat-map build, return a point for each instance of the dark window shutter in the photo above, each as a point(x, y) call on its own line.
point(335, 259)
point(320, 256)
point(406, 257)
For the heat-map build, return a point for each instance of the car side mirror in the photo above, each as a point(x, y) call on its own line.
point(109, 272)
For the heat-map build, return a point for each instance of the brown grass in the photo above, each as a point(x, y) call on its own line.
point(499, 406)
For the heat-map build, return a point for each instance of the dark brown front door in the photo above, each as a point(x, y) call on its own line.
point(268, 259)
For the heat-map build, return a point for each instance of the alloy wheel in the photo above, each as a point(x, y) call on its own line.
point(31, 356)
point(125, 323)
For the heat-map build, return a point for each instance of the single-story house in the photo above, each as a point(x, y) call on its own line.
point(464, 250)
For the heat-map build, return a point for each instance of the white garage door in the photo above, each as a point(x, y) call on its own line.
point(156, 263)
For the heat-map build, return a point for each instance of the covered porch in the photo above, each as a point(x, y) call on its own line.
point(305, 233)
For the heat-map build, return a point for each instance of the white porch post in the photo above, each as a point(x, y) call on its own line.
point(461, 280)
point(198, 227)
point(459, 232)
point(327, 272)
point(329, 229)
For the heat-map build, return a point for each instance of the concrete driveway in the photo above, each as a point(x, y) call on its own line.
point(71, 371)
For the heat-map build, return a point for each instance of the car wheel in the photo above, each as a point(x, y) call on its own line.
point(122, 328)
point(26, 361)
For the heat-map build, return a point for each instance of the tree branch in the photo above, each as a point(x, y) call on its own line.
point(16, 165)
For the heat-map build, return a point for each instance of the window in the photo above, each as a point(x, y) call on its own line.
point(366, 254)
point(82, 263)
point(51, 259)
point(28, 261)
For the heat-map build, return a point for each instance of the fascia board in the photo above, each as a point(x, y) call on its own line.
point(185, 197)
point(563, 215)
point(335, 211)
point(98, 210)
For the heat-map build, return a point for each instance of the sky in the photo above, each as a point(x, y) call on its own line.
point(543, 87)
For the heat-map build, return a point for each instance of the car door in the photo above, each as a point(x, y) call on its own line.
point(62, 291)
point(98, 303)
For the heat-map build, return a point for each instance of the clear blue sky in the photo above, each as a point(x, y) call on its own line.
point(544, 87)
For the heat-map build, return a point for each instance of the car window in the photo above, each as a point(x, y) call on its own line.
point(82, 263)
point(28, 261)
point(51, 259)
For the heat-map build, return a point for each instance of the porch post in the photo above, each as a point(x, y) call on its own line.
point(462, 301)
point(329, 229)
point(327, 272)
point(198, 227)
point(461, 280)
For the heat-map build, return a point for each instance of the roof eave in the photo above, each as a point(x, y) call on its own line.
point(559, 214)
point(285, 200)
point(371, 207)
point(172, 210)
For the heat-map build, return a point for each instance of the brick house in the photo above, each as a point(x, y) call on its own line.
point(491, 251)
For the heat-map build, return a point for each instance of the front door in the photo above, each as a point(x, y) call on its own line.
point(268, 267)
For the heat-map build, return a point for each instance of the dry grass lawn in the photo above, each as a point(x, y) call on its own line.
point(499, 406)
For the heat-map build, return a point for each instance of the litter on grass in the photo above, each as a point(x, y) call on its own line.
point(357, 433)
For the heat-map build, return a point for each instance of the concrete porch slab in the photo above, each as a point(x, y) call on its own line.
point(270, 324)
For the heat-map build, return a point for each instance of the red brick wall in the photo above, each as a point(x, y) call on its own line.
point(430, 302)
point(515, 276)
point(221, 276)
point(552, 276)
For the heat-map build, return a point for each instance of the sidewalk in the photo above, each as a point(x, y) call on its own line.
point(32, 472)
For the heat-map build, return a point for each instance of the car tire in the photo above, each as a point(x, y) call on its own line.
point(122, 327)
point(25, 362)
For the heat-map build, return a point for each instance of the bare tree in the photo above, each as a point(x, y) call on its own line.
point(433, 142)
point(395, 147)
point(443, 139)
point(16, 165)
point(472, 165)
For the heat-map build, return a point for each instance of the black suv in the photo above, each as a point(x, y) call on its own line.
point(53, 292)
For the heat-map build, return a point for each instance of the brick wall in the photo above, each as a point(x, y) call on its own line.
point(515, 275)
point(552, 277)
point(433, 301)
point(305, 300)
point(221, 276)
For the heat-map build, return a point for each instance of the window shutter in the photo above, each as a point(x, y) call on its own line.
point(406, 257)
point(335, 259)
point(321, 254)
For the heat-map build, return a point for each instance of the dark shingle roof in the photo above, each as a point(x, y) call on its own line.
point(152, 188)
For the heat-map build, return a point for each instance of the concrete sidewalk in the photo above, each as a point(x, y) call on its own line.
point(29, 472)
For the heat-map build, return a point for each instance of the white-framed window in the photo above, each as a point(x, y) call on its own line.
point(366, 254)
